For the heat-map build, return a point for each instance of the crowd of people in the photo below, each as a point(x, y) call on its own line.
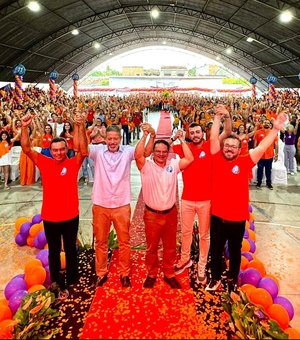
point(219, 138)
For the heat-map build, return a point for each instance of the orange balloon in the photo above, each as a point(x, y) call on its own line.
point(292, 333)
point(258, 265)
point(5, 313)
point(245, 245)
point(251, 217)
point(247, 288)
point(35, 288)
point(20, 221)
point(35, 275)
point(252, 235)
point(6, 329)
point(244, 262)
point(30, 241)
point(3, 302)
point(247, 224)
point(46, 246)
point(63, 260)
point(32, 263)
point(261, 297)
point(279, 314)
point(35, 229)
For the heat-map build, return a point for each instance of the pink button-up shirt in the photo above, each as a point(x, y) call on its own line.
point(112, 175)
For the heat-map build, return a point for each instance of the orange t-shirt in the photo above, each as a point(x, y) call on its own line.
point(259, 136)
point(230, 187)
point(197, 176)
point(60, 188)
point(4, 148)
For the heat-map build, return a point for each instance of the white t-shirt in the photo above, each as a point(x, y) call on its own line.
point(159, 184)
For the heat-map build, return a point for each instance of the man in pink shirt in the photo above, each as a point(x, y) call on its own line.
point(111, 199)
point(159, 182)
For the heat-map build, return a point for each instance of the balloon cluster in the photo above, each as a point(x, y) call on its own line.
point(30, 232)
point(36, 276)
point(261, 288)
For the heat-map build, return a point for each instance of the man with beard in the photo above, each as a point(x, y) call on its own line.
point(267, 158)
point(196, 198)
point(230, 197)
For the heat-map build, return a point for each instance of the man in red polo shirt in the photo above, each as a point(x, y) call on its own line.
point(230, 196)
point(196, 198)
point(60, 209)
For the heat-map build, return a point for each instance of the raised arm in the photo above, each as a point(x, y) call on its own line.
point(80, 140)
point(187, 154)
point(215, 129)
point(227, 127)
point(257, 152)
point(25, 140)
point(142, 150)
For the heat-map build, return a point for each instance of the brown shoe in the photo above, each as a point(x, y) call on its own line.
point(172, 282)
point(149, 282)
point(125, 280)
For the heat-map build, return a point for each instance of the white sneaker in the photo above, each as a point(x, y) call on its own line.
point(213, 285)
point(292, 173)
point(179, 268)
point(201, 277)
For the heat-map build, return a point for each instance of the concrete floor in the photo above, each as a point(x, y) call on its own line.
point(277, 221)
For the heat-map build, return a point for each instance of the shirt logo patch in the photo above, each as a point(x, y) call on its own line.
point(63, 171)
point(169, 168)
point(202, 154)
point(235, 170)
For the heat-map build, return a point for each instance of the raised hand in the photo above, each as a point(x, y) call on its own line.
point(221, 110)
point(26, 120)
point(280, 120)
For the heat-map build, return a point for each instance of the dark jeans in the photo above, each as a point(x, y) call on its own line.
point(267, 164)
point(125, 129)
point(220, 232)
point(68, 231)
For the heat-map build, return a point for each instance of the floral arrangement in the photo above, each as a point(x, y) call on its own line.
point(34, 313)
point(248, 321)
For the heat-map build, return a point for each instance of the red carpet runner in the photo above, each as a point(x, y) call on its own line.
point(135, 313)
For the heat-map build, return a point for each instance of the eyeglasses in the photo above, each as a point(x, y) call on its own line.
point(228, 146)
point(161, 152)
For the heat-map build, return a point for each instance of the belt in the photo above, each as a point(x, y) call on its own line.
point(159, 211)
point(227, 221)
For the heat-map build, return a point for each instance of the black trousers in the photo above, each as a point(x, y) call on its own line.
point(220, 232)
point(55, 232)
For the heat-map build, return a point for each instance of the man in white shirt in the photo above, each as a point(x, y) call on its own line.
point(159, 183)
point(111, 199)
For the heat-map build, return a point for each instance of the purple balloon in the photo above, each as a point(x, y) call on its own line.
point(20, 239)
point(250, 208)
point(14, 285)
point(25, 227)
point(252, 226)
point(251, 276)
point(43, 256)
point(252, 246)
point(16, 299)
point(36, 219)
point(247, 255)
point(269, 285)
point(286, 304)
point(40, 240)
point(246, 233)
point(19, 276)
